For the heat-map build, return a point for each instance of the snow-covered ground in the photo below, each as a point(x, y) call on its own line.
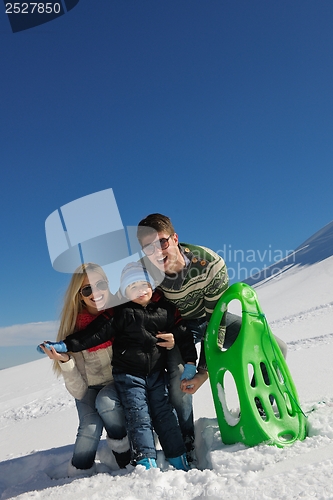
point(38, 420)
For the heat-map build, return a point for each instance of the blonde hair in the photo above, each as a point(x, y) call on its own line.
point(73, 304)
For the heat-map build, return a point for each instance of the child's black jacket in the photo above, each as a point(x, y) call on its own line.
point(133, 329)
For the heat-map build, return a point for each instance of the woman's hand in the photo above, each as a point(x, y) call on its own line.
point(191, 386)
point(54, 355)
point(168, 340)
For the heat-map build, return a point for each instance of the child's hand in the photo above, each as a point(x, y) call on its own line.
point(168, 340)
point(189, 371)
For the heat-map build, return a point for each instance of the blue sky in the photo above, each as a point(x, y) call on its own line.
point(217, 113)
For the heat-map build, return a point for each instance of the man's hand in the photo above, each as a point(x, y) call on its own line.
point(168, 340)
point(191, 386)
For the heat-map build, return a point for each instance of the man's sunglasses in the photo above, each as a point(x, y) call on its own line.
point(163, 244)
point(102, 285)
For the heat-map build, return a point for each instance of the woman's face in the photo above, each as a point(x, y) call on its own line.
point(99, 292)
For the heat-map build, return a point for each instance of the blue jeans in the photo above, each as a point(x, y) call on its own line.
point(181, 401)
point(146, 406)
point(100, 407)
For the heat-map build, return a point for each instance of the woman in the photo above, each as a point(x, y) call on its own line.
point(88, 374)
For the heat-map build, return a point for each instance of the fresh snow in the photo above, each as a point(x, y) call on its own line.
point(38, 419)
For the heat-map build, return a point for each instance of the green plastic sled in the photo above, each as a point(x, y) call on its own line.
point(269, 408)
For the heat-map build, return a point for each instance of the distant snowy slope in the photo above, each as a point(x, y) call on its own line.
point(298, 295)
point(315, 249)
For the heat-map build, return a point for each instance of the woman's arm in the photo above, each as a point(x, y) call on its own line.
point(74, 381)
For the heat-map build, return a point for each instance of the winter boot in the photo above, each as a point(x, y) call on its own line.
point(179, 463)
point(190, 451)
point(148, 463)
point(121, 451)
point(72, 471)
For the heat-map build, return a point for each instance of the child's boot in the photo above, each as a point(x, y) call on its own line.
point(148, 463)
point(179, 463)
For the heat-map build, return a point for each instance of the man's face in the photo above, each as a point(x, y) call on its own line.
point(169, 260)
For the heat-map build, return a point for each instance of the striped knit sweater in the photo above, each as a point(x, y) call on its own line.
point(197, 289)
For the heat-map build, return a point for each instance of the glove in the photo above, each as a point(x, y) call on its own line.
point(40, 350)
point(189, 372)
point(58, 346)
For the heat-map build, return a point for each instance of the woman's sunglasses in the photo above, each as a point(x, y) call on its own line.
point(102, 285)
point(163, 244)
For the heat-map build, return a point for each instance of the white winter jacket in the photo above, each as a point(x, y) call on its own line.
point(87, 368)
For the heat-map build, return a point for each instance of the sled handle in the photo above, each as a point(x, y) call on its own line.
point(238, 291)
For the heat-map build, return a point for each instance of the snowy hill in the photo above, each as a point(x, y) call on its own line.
point(38, 419)
point(315, 249)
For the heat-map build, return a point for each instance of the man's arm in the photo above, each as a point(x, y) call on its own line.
point(191, 386)
point(217, 283)
point(183, 338)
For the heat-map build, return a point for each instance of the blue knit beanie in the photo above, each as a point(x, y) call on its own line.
point(132, 272)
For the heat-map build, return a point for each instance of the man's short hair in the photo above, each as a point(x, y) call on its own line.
point(154, 223)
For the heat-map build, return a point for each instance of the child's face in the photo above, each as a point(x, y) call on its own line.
point(139, 292)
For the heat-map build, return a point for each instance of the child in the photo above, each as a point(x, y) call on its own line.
point(139, 364)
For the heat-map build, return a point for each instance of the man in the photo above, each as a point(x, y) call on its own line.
point(195, 278)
